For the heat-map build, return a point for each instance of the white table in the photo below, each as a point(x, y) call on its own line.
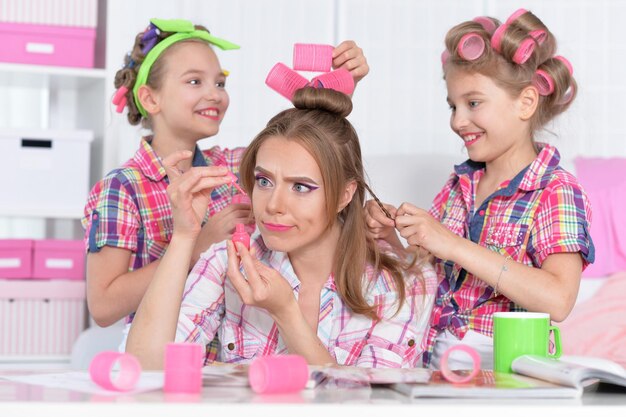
point(23, 400)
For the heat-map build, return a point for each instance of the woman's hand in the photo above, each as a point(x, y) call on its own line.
point(348, 55)
point(264, 288)
point(190, 192)
point(421, 229)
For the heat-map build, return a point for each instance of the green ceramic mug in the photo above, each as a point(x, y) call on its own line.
point(519, 333)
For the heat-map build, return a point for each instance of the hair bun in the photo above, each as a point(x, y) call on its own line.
point(331, 101)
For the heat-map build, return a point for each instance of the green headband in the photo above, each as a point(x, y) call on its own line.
point(183, 29)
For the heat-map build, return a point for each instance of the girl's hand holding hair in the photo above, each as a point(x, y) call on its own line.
point(421, 229)
point(381, 227)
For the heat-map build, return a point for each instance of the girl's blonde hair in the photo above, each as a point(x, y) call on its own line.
point(511, 76)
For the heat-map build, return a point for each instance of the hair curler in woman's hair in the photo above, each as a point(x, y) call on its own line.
point(340, 80)
point(471, 46)
point(285, 81)
point(312, 57)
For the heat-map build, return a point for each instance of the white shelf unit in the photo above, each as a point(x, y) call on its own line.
point(42, 97)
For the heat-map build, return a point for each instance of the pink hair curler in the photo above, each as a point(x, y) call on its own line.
point(278, 374)
point(103, 363)
point(471, 46)
point(340, 80)
point(516, 15)
point(241, 235)
point(488, 24)
point(312, 57)
point(568, 64)
point(453, 377)
point(183, 368)
point(544, 82)
point(496, 38)
point(445, 55)
point(568, 95)
point(240, 199)
point(539, 36)
point(285, 81)
point(524, 51)
point(119, 99)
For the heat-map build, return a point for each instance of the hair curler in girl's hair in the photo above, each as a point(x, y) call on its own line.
point(285, 81)
point(568, 64)
point(544, 82)
point(488, 24)
point(445, 55)
point(515, 15)
point(471, 46)
point(119, 99)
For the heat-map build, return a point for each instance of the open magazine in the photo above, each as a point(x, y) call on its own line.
point(534, 377)
point(574, 371)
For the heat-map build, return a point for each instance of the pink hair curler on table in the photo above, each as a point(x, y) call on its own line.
point(285, 81)
point(279, 374)
point(183, 368)
point(128, 374)
point(453, 377)
point(312, 57)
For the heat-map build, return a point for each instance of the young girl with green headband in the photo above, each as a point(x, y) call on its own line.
point(172, 83)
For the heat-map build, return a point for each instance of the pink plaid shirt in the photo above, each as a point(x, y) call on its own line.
point(211, 306)
point(543, 210)
point(130, 209)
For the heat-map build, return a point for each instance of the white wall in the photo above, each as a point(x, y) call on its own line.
point(400, 106)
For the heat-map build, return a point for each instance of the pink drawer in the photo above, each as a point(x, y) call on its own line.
point(40, 317)
point(16, 258)
point(47, 45)
point(61, 259)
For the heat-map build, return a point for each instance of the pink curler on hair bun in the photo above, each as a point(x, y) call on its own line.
point(524, 51)
point(312, 57)
point(544, 82)
point(568, 64)
point(340, 80)
point(487, 24)
point(278, 374)
point(285, 81)
point(471, 46)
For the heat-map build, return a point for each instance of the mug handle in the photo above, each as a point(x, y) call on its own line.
point(557, 342)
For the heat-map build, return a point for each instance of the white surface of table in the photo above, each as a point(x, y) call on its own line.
point(21, 400)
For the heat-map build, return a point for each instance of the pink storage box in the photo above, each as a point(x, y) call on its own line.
point(47, 45)
point(40, 317)
point(59, 259)
point(16, 258)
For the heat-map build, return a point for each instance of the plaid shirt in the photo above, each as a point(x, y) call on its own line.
point(211, 306)
point(542, 211)
point(129, 208)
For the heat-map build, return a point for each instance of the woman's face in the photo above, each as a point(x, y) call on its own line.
point(288, 198)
